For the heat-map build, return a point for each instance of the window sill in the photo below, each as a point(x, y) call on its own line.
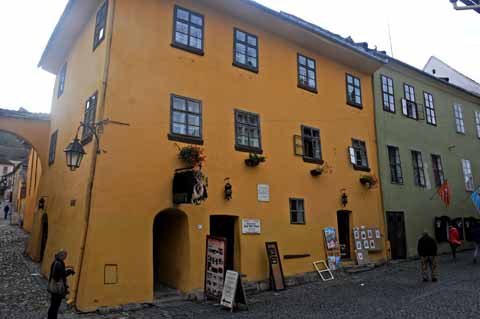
point(361, 168)
point(356, 105)
point(292, 223)
point(247, 149)
point(97, 44)
point(188, 49)
point(398, 184)
point(432, 124)
point(307, 88)
point(245, 67)
point(313, 160)
point(461, 133)
point(185, 139)
point(389, 111)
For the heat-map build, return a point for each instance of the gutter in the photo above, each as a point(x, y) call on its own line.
point(93, 166)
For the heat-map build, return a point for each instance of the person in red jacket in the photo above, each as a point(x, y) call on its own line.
point(454, 240)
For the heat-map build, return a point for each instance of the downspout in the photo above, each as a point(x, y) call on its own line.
point(93, 166)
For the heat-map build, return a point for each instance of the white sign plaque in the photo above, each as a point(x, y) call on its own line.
point(251, 226)
point(263, 192)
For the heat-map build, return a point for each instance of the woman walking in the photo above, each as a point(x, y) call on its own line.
point(57, 283)
point(454, 240)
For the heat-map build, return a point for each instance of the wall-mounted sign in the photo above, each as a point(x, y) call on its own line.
point(215, 259)
point(276, 271)
point(263, 192)
point(251, 226)
point(233, 292)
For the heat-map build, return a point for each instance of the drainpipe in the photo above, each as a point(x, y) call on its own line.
point(93, 165)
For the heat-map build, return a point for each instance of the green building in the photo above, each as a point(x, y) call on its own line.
point(428, 131)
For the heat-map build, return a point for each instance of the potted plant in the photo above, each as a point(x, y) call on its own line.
point(254, 159)
point(192, 155)
point(320, 169)
point(368, 180)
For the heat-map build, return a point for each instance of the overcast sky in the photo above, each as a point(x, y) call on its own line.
point(419, 29)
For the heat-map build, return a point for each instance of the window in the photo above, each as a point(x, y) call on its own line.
point(53, 147)
point(418, 169)
point(312, 148)
point(5, 170)
point(477, 123)
point(409, 106)
point(388, 96)
point(438, 170)
point(89, 118)
point(245, 52)
point(354, 91)
point(429, 108)
point(297, 211)
point(307, 73)
point(395, 165)
point(188, 30)
point(186, 120)
point(467, 173)
point(100, 25)
point(61, 80)
point(358, 155)
point(247, 132)
point(458, 111)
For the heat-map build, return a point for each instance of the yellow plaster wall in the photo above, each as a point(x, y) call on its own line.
point(133, 180)
point(34, 174)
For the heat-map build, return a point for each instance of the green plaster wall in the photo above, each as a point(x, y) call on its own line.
point(397, 130)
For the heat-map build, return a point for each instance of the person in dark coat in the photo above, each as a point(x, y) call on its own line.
point(476, 240)
point(427, 250)
point(6, 209)
point(58, 272)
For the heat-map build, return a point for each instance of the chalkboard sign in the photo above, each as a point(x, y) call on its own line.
point(276, 271)
point(215, 259)
point(233, 292)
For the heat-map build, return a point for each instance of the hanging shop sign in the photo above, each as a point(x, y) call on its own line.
point(276, 271)
point(251, 226)
point(189, 187)
point(215, 258)
point(263, 192)
point(233, 292)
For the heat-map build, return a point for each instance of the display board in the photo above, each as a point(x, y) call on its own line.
point(366, 240)
point(276, 271)
point(215, 258)
point(332, 247)
point(233, 292)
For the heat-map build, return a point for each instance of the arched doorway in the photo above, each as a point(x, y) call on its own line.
point(43, 243)
point(171, 252)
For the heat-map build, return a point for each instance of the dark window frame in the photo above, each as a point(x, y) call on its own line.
point(430, 113)
point(411, 101)
point(89, 117)
point(388, 94)
point(245, 148)
point(396, 171)
point(245, 65)
point(307, 69)
point(438, 169)
point(186, 138)
point(355, 87)
point(53, 148)
point(189, 23)
point(363, 152)
point(297, 211)
point(61, 81)
point(100, 25)
point(307, 158)
point(419, 177)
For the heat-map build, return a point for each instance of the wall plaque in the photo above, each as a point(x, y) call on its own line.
point(263, 192)
point(251, 226)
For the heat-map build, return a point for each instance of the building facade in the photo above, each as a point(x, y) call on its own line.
point(237, 80)
point(428, 132)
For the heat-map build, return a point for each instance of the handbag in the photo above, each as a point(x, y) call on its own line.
point(56, 287)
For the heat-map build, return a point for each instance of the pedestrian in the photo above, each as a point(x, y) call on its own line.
point(6, 209)
point(57, 283)
point(427, 250)
point(476, 240)
point(454, 240)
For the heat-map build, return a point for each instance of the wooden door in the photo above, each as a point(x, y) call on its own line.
point(396, 234)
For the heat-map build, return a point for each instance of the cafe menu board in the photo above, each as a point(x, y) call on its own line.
point(233, 291)
point(215, 258)
point(276, 271)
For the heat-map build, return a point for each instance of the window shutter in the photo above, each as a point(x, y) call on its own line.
point(353, 157)
point(404, 107)
point(297, 145)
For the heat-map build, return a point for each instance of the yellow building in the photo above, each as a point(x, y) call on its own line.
point(235, 78)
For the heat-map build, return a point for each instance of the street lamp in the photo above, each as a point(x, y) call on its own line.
point(74, 153)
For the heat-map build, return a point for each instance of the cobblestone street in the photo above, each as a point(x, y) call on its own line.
point(395, 291)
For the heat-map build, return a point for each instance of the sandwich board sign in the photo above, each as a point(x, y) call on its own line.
point(276, 271)
point(233, 292)
point(215, 259)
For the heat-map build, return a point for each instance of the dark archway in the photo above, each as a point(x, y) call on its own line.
point(44, 238)
point(171, 251)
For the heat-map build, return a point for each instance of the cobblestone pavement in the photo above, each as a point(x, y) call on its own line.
point(394, 291)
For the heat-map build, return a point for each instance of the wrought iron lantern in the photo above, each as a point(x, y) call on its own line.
point(228, 189)
point(74, 153)
point(344, 198)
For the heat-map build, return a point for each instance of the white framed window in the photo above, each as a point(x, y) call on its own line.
point(477, 123)
point(388, 96)
point(430, 108)
point(409, 104)
point(467, 173)
point(458, 112)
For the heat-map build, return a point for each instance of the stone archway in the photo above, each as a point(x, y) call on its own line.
point(171, 251)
